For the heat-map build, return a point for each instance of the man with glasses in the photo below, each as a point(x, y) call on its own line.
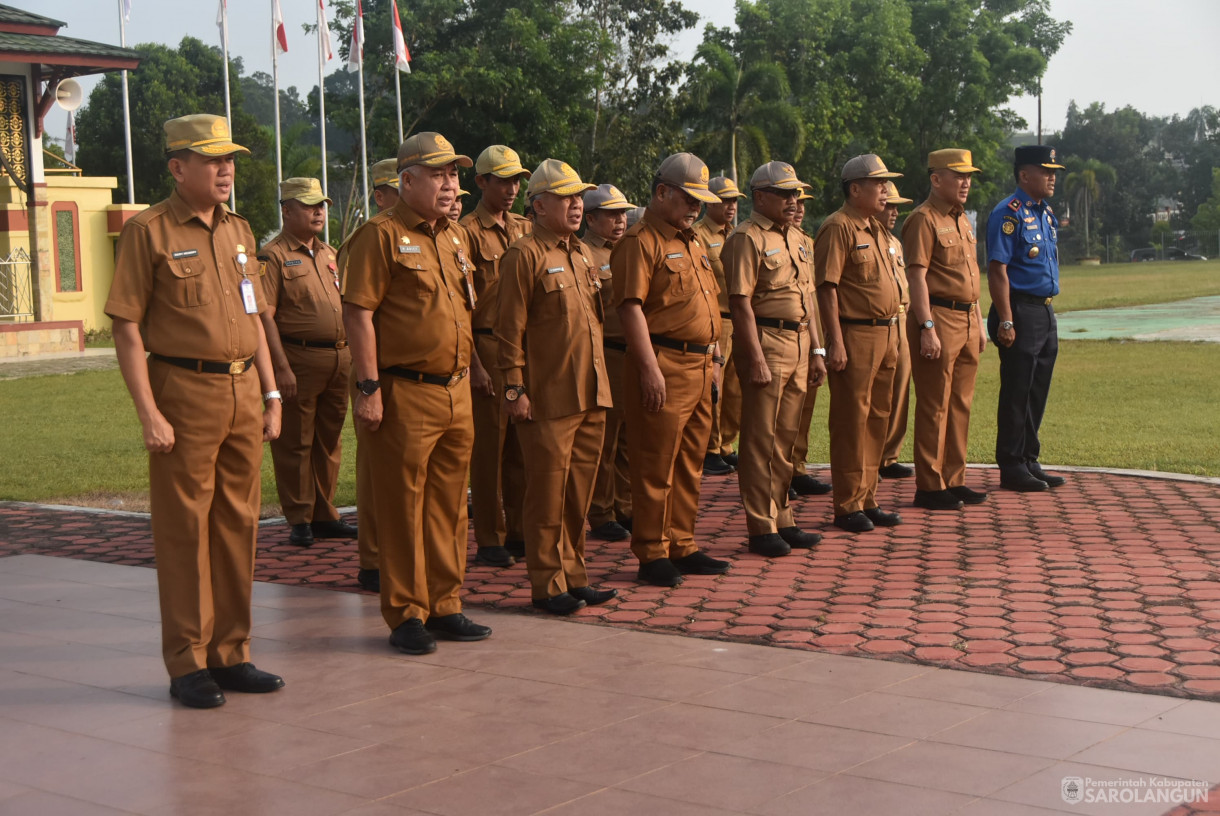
point(769, 271)
point(859, 296)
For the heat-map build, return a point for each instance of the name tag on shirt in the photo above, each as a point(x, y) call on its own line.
point(554, 269)
point(247, 296)
point(713, 246)
point(771, 252)
point(863, 246)
point(185, 253)
point(942, 230)
point(296, 262)
point(411, 249)
point(604, 267)
point(674, 255)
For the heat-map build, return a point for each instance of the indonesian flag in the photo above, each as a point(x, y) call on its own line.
point(279, 34)
point(70, 141)
point(222, 21)
point(127, 10)
point(402, 57)
point(355, 52)
point(324, 30)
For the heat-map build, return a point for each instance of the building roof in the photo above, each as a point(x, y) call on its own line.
point(26, 22)
point(66, 55)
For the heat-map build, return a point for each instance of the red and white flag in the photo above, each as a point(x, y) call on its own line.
point(355, 51)
point(279, 34)
point(222, 21)
point(402, 57)
point(324, 30)
point(127, 10)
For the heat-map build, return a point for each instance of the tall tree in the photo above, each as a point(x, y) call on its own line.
point(1084, 185)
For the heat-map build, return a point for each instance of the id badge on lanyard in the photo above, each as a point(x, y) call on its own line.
point(247, 287)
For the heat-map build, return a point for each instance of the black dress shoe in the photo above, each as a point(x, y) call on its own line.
point(806, 485)
point(714, 465)
point(197, 690)
point(369, 580)
point(592, 596)
point(700, 563)
point(565, 603)
point(332, 529)
point(880, 518)
point(662, 572)
point(967, 495)
point(798, 539)
point(792, 494)
point(770, 545)
point(1037, 472)
point(856, 522)
point(412, 638)
point(626, 523)
point(245, 678)
point(300, 535)
point(493, 557)
point(516, 548)
point(1023, 483)
point(457, 627)
point(729, 459)
point(896, 471)
point(937, 500)
point(610, 531)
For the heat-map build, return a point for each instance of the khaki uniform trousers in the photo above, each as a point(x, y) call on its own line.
point(612, 490)
point(800, 448)
point(860, 397)
point(309, 448)
point(769, 419)
point(416, 478)
point(667, 449)
point(727, 410)
point(561, 456)
point(496, 473)
point(900, 407)
point(366, 521)
point(205, 496)
point(944, 392)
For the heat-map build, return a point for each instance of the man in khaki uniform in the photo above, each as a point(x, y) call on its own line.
point(891, 468)
point(455, 210)
point(770, 276)
point(719, 219)
point(185, 291)
point(303, 322)
point(803, 483)
point(859, 295)
point(385, 183)
point(667, 298)
point(946, 326)
point(407, 300)
point(549, 328)
point(497, 477)
point(610, 512)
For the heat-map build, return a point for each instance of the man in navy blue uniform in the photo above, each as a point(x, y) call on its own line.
point(1023, 277)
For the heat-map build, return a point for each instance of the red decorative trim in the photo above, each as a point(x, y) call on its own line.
point(79, 325)
point(30, 28)
point(97, 62)
point(66, 206)
point(14, 220)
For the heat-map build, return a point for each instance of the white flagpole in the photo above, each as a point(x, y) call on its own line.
point(275, 81)
point(364, 158)
point(398, 99)
point(131, 176)
point(322, 108)
point(224, 46)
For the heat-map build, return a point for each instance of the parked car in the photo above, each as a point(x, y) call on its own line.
point(1175, 254)
point(1145, 254)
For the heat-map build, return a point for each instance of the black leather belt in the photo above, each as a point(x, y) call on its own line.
point(614, 345)
point(483, 331)
point(1025, 298)
point(870, 321)
point(326, 344)
point(726, 315)
point(679, 345)
point(447, 380)
point(206, 367)
point(783, 325)
point(955, 305)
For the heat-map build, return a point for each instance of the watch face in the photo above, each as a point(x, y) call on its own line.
point(928, 324)
point(511, 394)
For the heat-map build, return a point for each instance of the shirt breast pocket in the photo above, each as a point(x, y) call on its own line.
point(951, 248)
point(296, 283)
point(681, 276)
point(554, 296)
point(775, 273)
point(864, 265)
point(189, 286)
point(417, 279)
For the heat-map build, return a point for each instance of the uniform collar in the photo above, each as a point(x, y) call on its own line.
point(714, 228)
point(413, 220)
point(487, 219)
point(550, 240)
point(594, 240)
point(294, 243)
point(767, 223)
point(667, 230)
point(858, 219)
point(944, 207)
point(1027, 200)
point(183, 212)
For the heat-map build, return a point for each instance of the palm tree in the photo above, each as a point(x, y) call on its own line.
point(1084, 187)
point(746, 109)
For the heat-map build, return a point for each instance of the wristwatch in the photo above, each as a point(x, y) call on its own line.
point(512, 393)
point(270, 395)
point(1006, 324)
point(368, 387)
point(927, 324)
point(818, 352)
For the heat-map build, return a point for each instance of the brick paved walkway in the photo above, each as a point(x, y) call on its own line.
point(1109, 581)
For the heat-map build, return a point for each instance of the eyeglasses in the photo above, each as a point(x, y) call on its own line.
point(775, 191)
point(690, 200)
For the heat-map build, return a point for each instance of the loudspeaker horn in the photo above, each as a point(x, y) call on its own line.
point(69, 94)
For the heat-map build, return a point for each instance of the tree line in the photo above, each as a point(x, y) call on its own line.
point(596, 83)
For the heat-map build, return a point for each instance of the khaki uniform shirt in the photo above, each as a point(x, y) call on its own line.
point(490, 243)
point(713, 236)
point(301, 280)
point(549, 325)
point(599, 253)
point(850, 252)
point(669, 272)
point(899, 266)
point(937, 235)
point(181, 282)
point(771, 264)
point(416, 283)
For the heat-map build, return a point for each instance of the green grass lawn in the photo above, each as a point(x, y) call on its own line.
point(1130, 284)
point(1152, 406)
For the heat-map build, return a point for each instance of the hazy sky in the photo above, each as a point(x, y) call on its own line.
point(1158, 57)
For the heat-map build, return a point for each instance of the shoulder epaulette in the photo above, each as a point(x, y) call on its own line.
point(1014, 204)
